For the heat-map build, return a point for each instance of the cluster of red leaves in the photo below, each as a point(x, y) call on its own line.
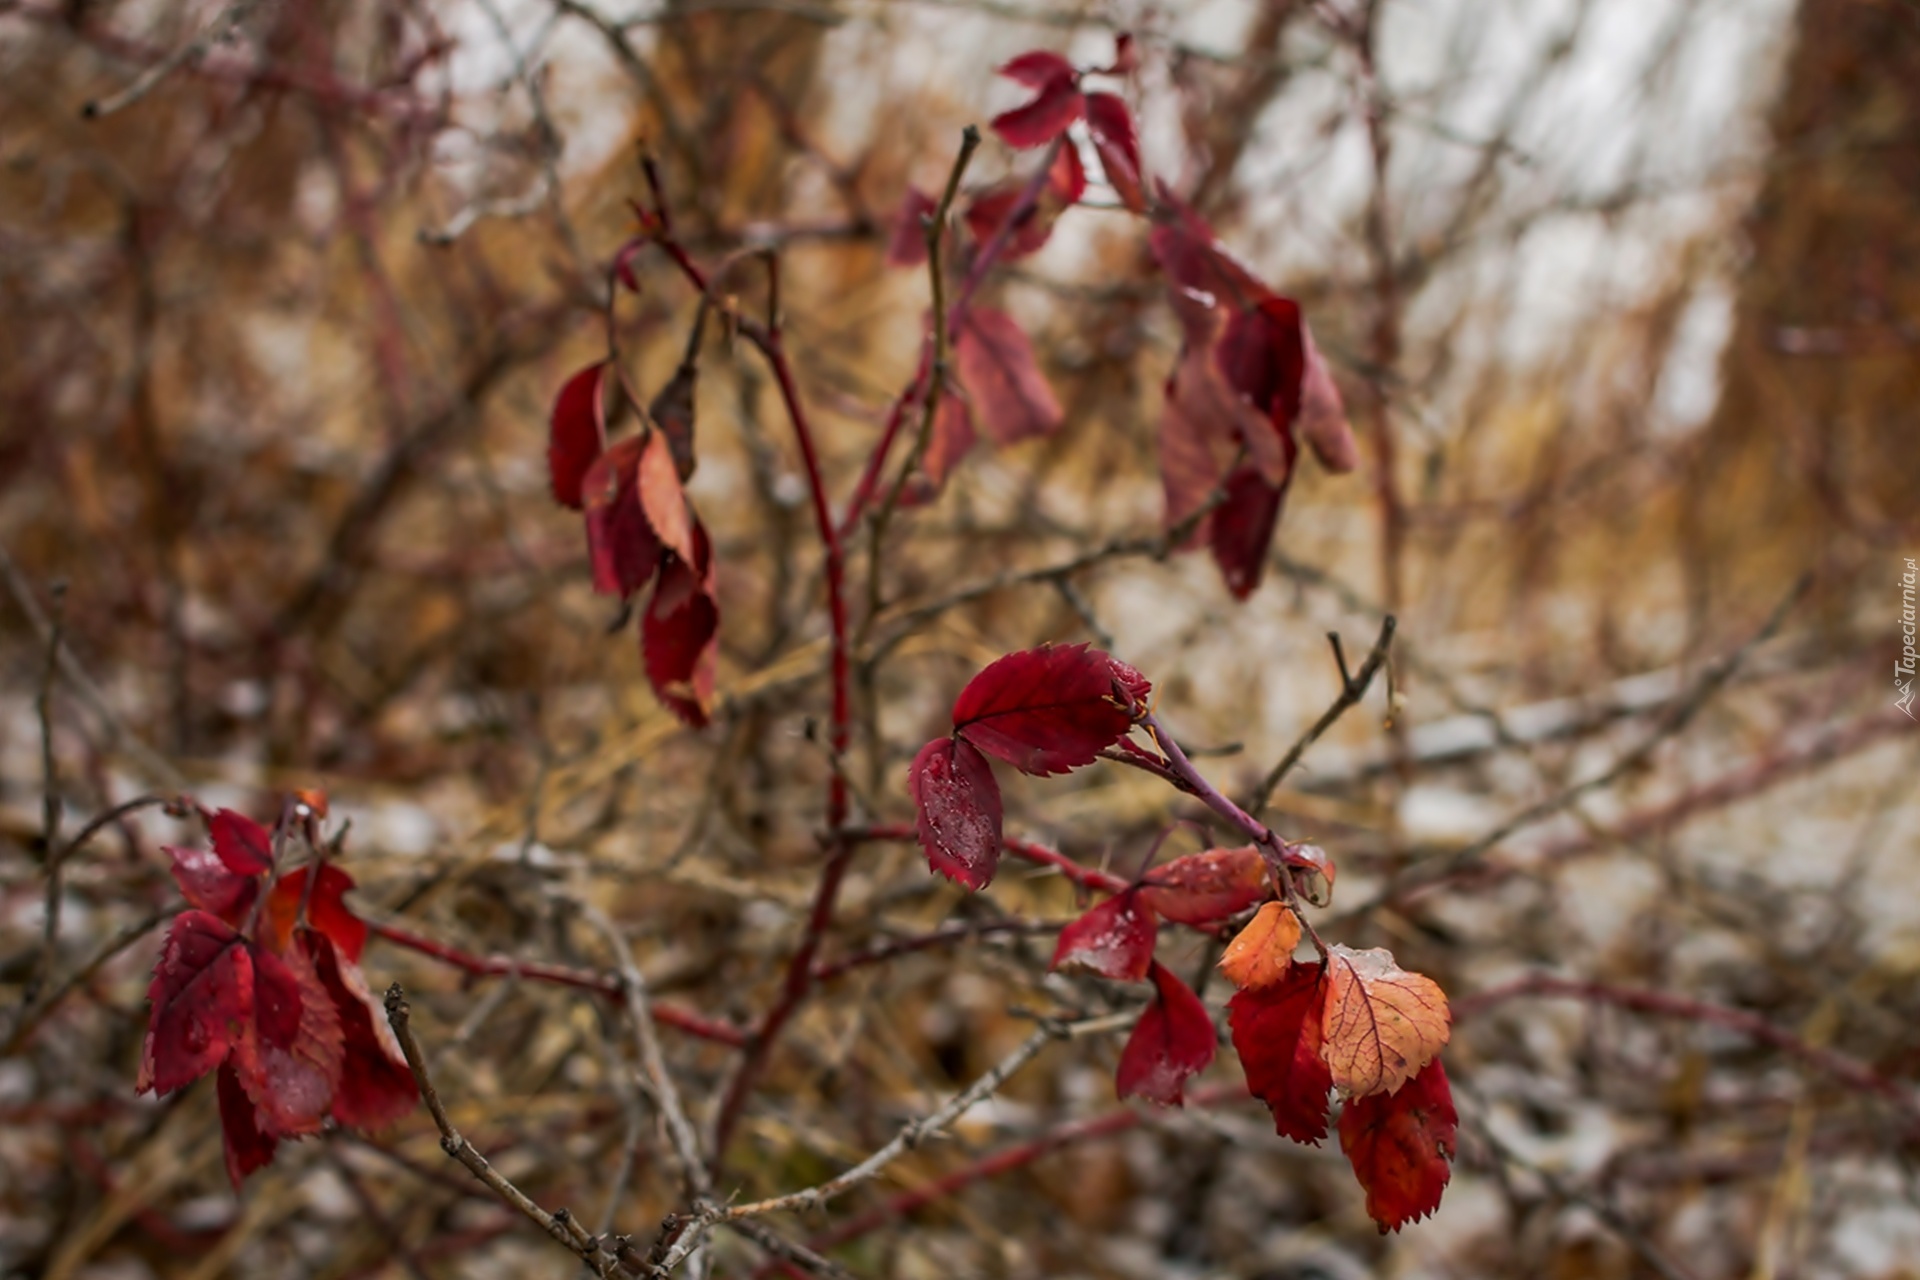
point(1356, 1022)
point(267, 993)
point(641, 529)
point(1249, 385)
point(1043, 711)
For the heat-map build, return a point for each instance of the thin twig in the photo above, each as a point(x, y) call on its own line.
point(561, 1226)
point(1352, 688)
point(223, 26)
point(56, 870)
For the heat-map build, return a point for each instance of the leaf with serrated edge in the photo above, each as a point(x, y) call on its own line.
point(957, 806)
point(1048, 710)
point(1276, 1032)
point(1173, 1040)
point(1261, 953)
point(1401, 1147)
point(1202, 888)
point(1382, 1023)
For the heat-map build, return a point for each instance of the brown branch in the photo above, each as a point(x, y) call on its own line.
point(1353, 687)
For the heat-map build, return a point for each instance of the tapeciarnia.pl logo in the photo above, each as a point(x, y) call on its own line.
point(1903, 666)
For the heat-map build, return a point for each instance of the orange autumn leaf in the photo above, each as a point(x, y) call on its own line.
point(1259, 956)
point(1382, 1024)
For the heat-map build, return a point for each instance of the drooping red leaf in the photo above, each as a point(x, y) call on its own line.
point(1067, 177)
point(907, 244)
point(949, 442)
point(375, 1087)
point(1032, 221)
point(1262, 352)
point(1010, 396)
point(202, 999)
point(1204, 888)
point(1115, 939)
point(1047, 710)
point(1261, 954)
point(1110, 125)
point(326, 907)
point(1277, 1033)
point(1323, 417)
point(1242, 529)
point(1056, 105)
point(662, 498)
point(1401, 1146)
point(1037, 68)
point(1195, 260)
point(624, 551)
point(246, 1146)
point(577, 433)
point(242, 844)
point(679, 636)
point(289, 1065)
point(208, 883)
point(957, 810)
point(1173, 1040)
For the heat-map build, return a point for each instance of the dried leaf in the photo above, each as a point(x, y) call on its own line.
point(1277, 1033)
point(1382, 1023)
point(620, 543)
point(957, 810)
point(1173, 1041)
point(1263, 951)
point(1115, 939)
point(1401, 1147)
point(662, 498)
point(672, 414)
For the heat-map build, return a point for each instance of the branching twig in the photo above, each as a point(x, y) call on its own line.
point(1353, 687)
point(224, 24)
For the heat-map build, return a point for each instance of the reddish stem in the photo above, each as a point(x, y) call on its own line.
point(666, 1014)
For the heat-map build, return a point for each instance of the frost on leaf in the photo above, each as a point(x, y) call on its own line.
point(1172, 1041)
point(1056, 104)
point(1204, 888)
point(1010, 396)
point(1114, 939)
point(1111, 127)
point(620, 541)
point(1382, 1024)
point(1401, 1147)
point(202, 1002)
point(289, 1063)
point(1262, 952)
point(1276, 1031)
point(1050, 709)
point(679, 636)
point(576, 434)
point(957, 808)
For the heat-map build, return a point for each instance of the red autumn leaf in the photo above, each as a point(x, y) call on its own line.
point(1323, 417)
point(375, 1087)
point(1048, 710)
point(662, 498)
point(289, 1062)
point(679, 634)
point(1010, 396)
point(1114, 939)
point(1382, 1024)
point(1401, 1147)
point(1241, 529)
point(1277, 1033)
point(202, 1002)
point(907, 245)
point(1204, 888)
point(326, 910)
point(577, 433)
point(1047, 115)
point(247, 1147)
point(949, 442)
point(624, 551)
point(1032, 220)
point(1261, 354)
point(1173, 1040)
point(242, 844)
point(957, 810)
point(1195, 260)
point(1111, 127)
point(208, 883)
